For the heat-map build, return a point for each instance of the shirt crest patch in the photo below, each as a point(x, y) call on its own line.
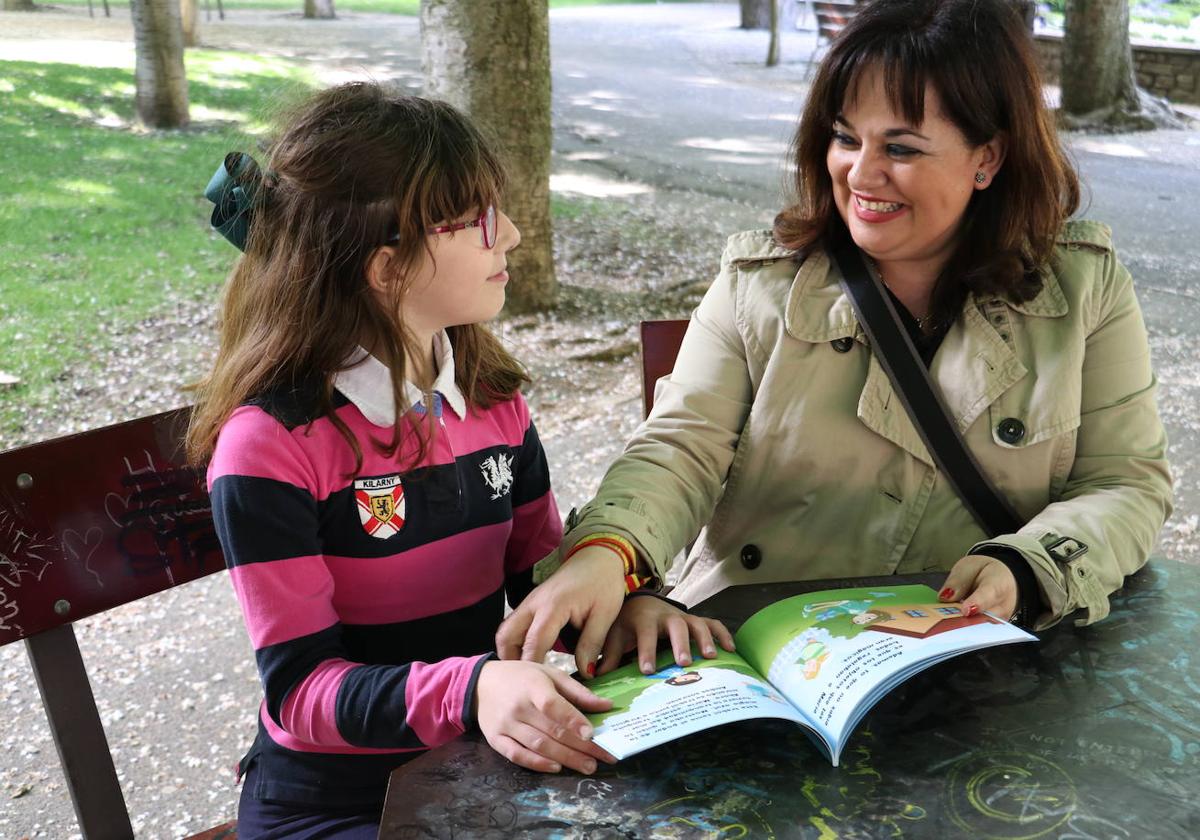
point(497, 474)
point(380, 505)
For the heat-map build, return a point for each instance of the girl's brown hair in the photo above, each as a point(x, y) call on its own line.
point(979, 58)
point(354, 166)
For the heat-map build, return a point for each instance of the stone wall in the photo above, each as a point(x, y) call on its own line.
point(1173, 72)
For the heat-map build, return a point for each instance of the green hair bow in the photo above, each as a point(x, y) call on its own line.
point(235, 196)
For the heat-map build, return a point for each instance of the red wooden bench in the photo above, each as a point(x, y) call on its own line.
point(87, 523)
point(660, 346)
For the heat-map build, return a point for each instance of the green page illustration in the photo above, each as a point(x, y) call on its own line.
point(821, 660)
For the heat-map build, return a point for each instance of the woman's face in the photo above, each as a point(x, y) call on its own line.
point(902, 189)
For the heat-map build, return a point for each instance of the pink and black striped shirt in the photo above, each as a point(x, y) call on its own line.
point(372, 600)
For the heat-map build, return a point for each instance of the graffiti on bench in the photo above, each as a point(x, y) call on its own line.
point(163, 520)
point(95, 520)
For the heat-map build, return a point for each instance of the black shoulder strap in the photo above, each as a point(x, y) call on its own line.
point(894, 349)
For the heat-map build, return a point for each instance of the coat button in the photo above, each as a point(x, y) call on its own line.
point(751, 556)
point(1011, 430)
point(842, 345)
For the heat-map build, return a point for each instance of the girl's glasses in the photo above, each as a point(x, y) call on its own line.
point(486, 224)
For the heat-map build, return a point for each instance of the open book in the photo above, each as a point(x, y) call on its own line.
point(822, 660)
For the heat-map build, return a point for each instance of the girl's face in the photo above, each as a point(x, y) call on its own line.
point(903, 189)
point(459, 281)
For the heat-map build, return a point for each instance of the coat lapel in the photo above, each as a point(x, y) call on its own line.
point(972, 368)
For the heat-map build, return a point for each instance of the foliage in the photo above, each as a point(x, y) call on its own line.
point(1167, 12)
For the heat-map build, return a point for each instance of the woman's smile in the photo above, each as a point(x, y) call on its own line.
point(876, 210)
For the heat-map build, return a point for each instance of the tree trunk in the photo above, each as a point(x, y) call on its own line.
point(320, 9)
point(162, 93)
point(773, 44)
point(492, 60)
point(1099, 89)
point(1097, 67)
point(189, 15)
point(18, 5)
point(756, 14)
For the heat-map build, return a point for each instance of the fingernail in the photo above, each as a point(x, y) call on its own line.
point(585, 732)
point(647, 667)
point(589, 767)
point(685, 660)
point(946, 593)
point(554, 768)
point(971, 610)
point(591, 669)
point(710, 651)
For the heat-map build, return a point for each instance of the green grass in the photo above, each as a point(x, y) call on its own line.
point(104, 223)
point(390, 7)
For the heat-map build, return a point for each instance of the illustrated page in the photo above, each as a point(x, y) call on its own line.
point(677, 701)
point(833, 654)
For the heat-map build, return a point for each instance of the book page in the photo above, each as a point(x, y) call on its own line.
point(833, 654)
point(677, 701)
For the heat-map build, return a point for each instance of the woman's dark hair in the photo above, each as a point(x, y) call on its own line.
point(980, 59)
point(355, 166)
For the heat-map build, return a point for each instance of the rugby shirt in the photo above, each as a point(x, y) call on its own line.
point(372, 600)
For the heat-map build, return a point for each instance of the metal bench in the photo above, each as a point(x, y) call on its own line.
point(832, 17)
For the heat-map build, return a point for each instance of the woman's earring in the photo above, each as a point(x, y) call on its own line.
point(981, 177)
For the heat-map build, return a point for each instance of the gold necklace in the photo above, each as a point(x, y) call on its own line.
point(923, 320)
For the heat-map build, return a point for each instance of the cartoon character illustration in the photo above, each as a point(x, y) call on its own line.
point(870, 617)
point(667, 673)
point(812, 657)
point(686, 678)
point(826, 610)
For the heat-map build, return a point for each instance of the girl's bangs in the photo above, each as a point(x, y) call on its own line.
point(465, 184)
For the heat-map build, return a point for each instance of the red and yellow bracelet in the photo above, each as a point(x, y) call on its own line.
point(624, 549)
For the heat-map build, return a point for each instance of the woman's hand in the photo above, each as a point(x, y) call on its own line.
point(525, 712)
point(644, 619)
point(586, 591)
point(981, 584)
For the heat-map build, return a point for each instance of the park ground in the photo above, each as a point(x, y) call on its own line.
point(668, 136)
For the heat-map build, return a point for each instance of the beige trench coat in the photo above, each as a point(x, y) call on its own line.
point(780, 433)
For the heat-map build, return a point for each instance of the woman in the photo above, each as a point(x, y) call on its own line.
point(925, 136)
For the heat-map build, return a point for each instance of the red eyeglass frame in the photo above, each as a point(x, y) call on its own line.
point(486, 222)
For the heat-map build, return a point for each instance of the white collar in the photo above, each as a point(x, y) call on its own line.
point(368, 384)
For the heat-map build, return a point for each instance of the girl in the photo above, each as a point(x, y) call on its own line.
point(377, 485)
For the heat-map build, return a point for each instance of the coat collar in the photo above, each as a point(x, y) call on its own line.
point(818, 310)
point(368, 384)
point(972, 368)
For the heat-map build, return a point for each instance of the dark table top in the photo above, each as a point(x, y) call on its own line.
point(1093, 733)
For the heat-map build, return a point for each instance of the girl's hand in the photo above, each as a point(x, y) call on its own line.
point(644, 618)
point(587, 591)
point(981, 584)
point(525, 712)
